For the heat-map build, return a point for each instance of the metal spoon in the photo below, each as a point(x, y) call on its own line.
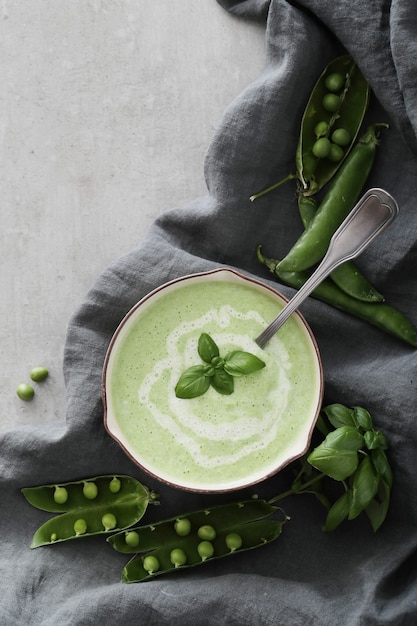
point(374, 211)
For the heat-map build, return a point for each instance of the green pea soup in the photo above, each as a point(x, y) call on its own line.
point(214, 442)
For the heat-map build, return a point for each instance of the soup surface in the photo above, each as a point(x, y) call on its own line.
point(213, 442)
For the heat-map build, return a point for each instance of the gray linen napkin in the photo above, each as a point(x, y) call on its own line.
point(352, 576)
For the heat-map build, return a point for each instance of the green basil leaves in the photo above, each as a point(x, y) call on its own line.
point(218, 372)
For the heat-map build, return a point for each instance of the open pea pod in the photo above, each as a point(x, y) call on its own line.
point(87, 507)
point(212, 533)
point(348, 105)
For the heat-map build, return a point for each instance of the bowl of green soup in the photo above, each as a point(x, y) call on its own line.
point(254, 410)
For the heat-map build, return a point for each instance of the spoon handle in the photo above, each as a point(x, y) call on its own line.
point(374, 211)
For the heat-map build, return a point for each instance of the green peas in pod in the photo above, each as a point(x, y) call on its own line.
point(321, 148)
point(341, 137)
point(89, 500)
point(335, 81)
point(331, 102)
point(182, 526)
point(229, 526)
point(335, 153)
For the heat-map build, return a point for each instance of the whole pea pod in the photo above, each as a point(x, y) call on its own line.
point(195, 538)
point(88, 507)
point(379, 314)
point(330, 124)
point(339, 200)
point(347, 276)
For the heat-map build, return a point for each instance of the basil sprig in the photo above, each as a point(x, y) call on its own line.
point(216, 371)
point(353, 454)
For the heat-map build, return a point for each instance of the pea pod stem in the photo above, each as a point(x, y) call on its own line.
point(272, 187)
point(379, 314)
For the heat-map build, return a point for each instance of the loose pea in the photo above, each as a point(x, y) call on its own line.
point(151, 564)
point(335, 153)
point(60, 495)
point(80, 526)
point(334, 82)
point(115, 485)
point(132, 538)
point(331, 102)
point(38, 374)
point(206, 532)
point(109, 521)
point(90, 490)
point(178, 557)
point(341, 137)
point(205, 549)
point(182, 527)
point(233, 541)
point(321, 148)
point(25, 391)
point(321, 129)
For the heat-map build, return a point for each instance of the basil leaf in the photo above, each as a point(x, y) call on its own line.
point(377, 509)
point(339, 415)
point(364, 487)
point(240, 363)
point(222, 382)
point(192, 383)
point(345, 438)
point(338, 464)
point(207, 348)
point(338, 512)
point(362, 417)
point(374, 439)
point(381, 465)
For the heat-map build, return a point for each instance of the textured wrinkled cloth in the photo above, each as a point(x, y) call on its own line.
point(352, 576)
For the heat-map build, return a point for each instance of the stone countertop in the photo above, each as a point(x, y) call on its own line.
point(107, 110)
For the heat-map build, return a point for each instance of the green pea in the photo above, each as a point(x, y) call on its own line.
point(132, 538)
point(335, 81)
point(335, 153)
point(321, 148)
point(60, 495)
point(38, 374)
point(206, 532)
point(321, 129)
point(25, 391)
point(205, 549)
point(178, 557)
point(80, 526)
point(54, 537)
point(331, 102)
point(151, 564)
point(341, 137)
point(233, 541)
point(90, 490)
point(115, 485)
point(182, 527)
point(109, 521)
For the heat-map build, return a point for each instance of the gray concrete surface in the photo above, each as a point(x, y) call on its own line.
point(107, 109)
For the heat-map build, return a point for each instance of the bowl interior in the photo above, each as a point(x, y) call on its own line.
point(215, 442)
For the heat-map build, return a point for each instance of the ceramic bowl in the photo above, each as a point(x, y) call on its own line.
point(215, 442)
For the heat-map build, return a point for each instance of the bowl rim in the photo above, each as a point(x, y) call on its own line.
point(213, 274)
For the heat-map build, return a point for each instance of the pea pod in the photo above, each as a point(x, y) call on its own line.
point(339, 200)
point(318, 126)
point(223, 525)
point(379, 314)
point(88, 507)
point(353, 98)
point(347, 276)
